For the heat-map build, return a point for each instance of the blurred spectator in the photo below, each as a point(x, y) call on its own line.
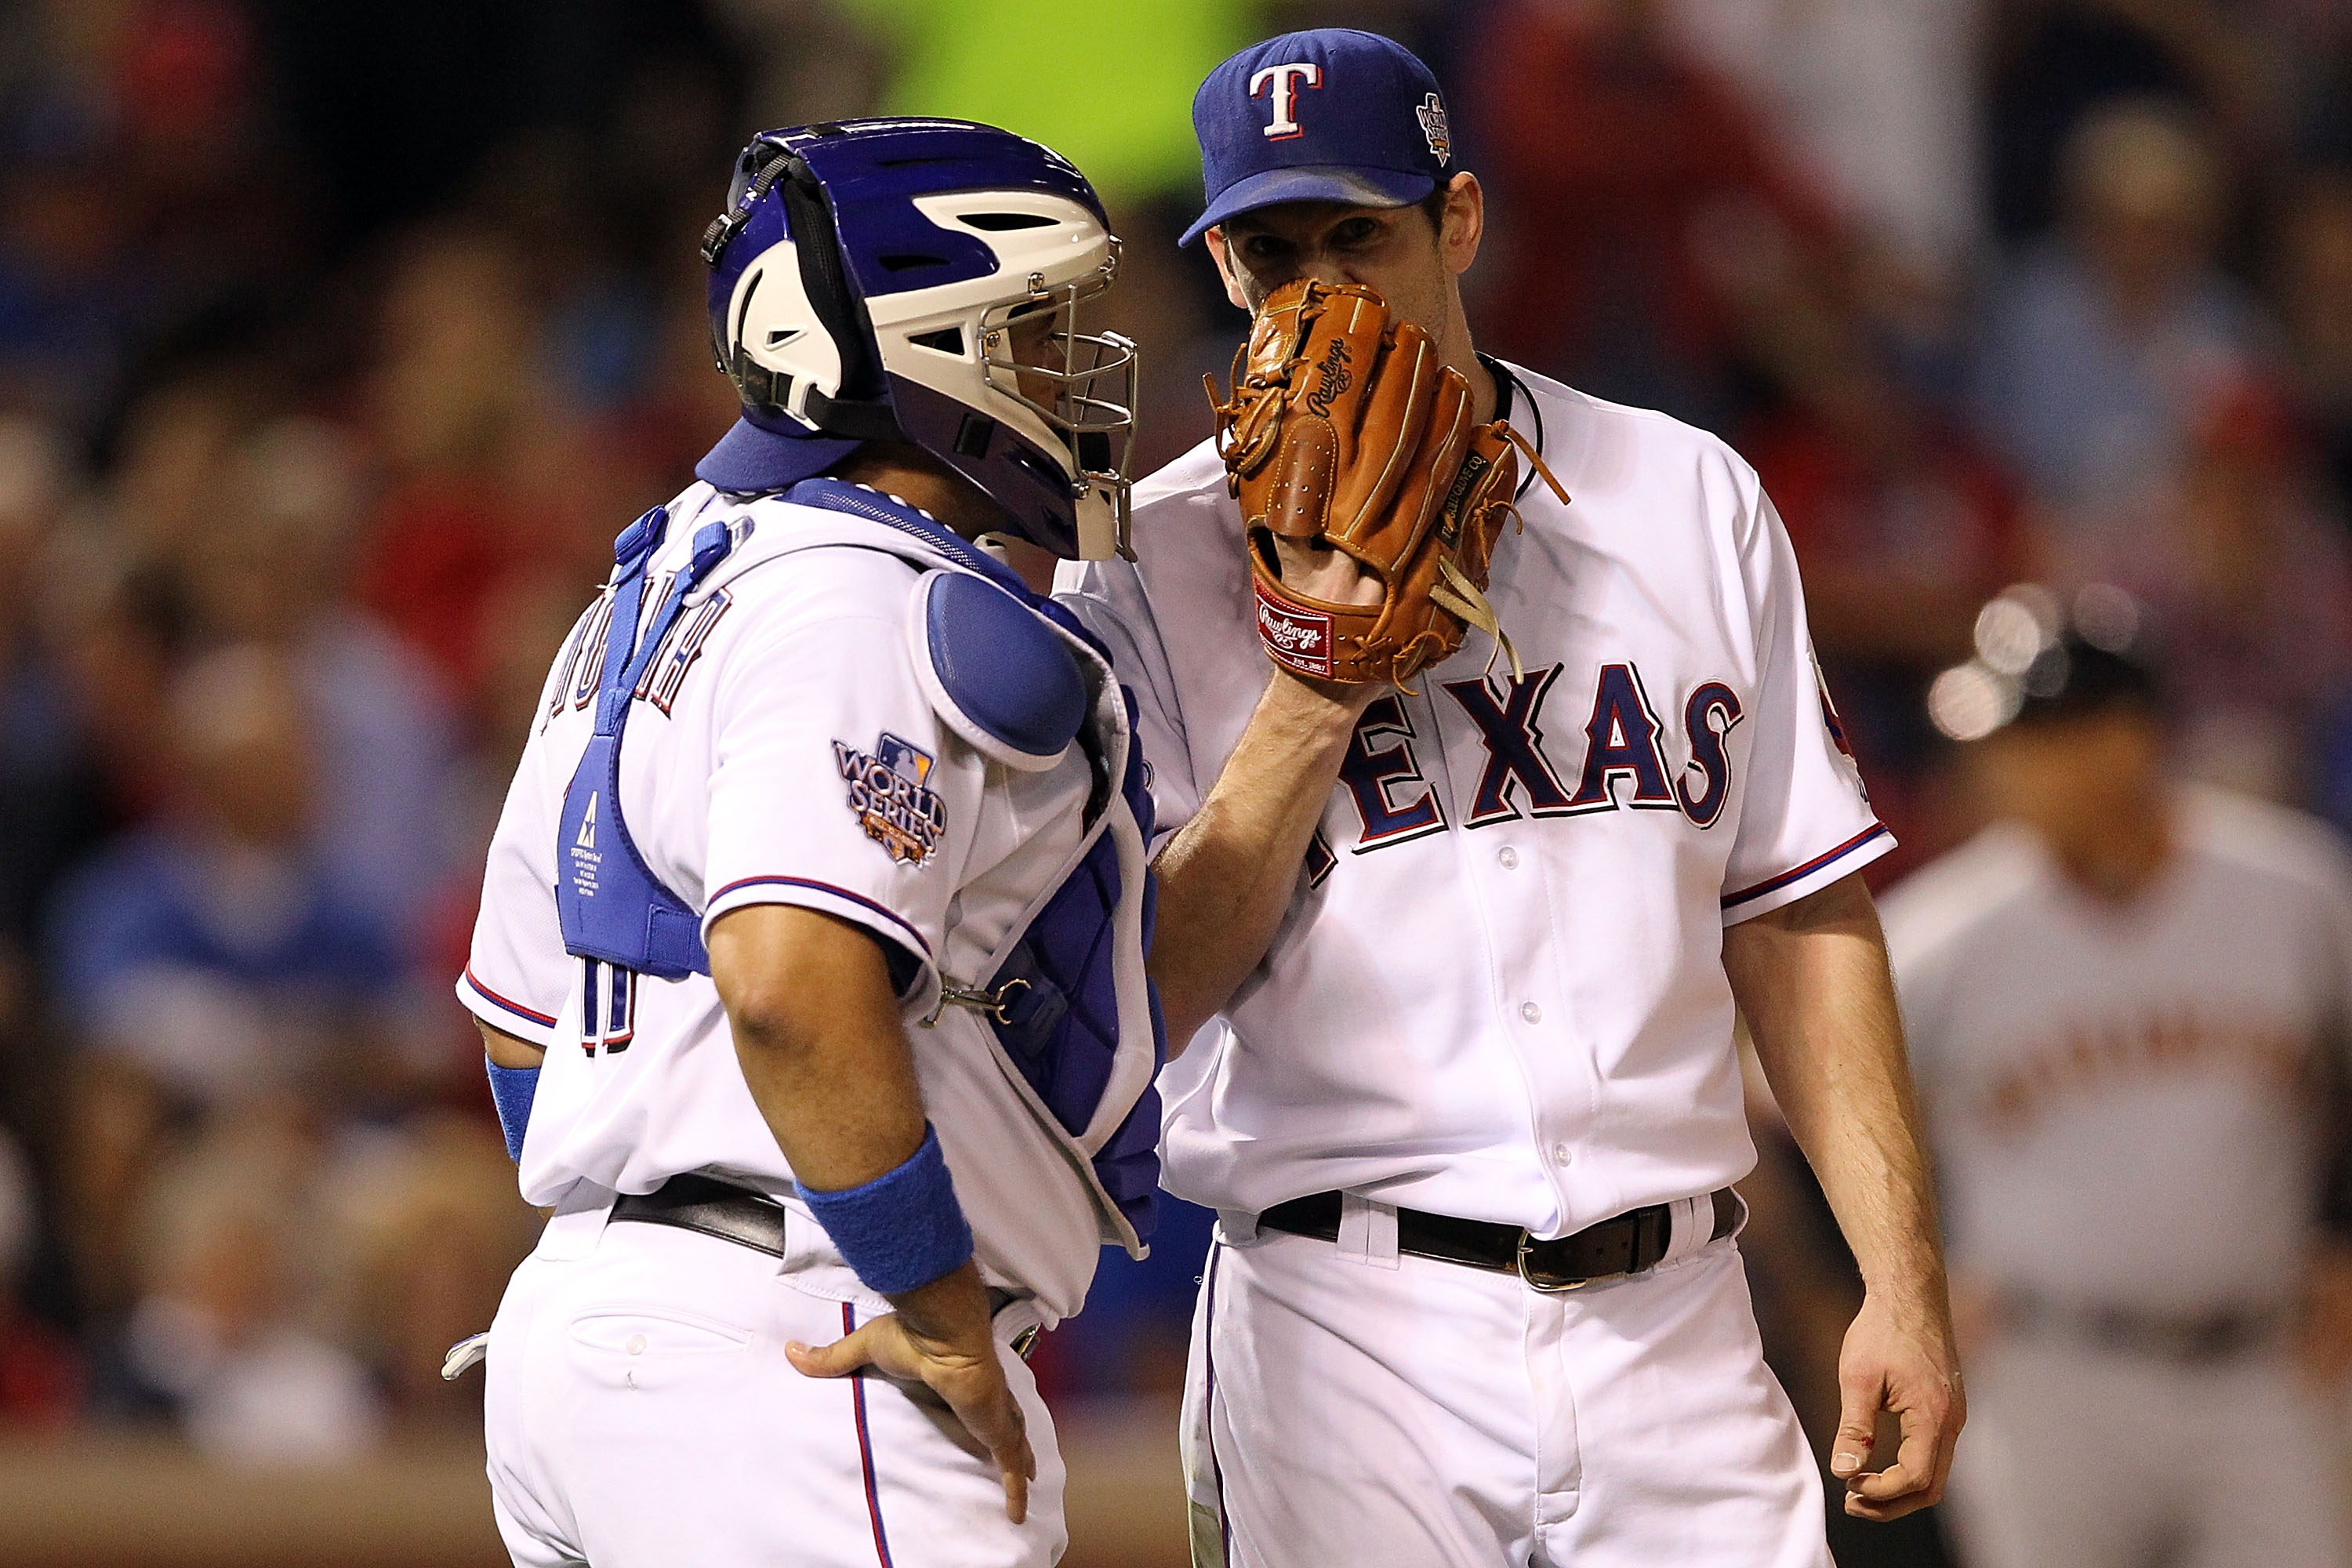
point(75, 292)
point(271, 571)
point(1904, 527)
point(49, 798)
point(2250, 588)
point(2103, 342)
point(430, 1226)
point(230, 1329)
point(1878, 100)
point(2313, 258)
point(2125, 1002)
point(39, 1380)
point(1628, 180)
point(2055, 62)
point(207, 961)
point(453, 375)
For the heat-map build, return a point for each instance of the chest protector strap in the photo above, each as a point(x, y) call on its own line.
point(610, 905)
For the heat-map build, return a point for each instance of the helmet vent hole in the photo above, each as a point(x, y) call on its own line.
point(947, 340)
point(995, 222)
point(904, 263)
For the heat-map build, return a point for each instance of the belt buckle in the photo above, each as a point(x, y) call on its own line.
point(1548, 1285)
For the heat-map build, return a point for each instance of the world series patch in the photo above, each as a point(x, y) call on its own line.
point(888, 796)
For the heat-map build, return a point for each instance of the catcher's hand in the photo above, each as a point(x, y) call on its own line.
point(1344, 433)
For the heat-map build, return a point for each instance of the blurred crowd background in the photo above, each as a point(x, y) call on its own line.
point(336, 342)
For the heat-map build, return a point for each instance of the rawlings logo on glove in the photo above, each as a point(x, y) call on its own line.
point(1344, 432)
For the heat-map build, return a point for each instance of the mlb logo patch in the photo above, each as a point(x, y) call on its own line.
point(1298, 639)
point(888, 796)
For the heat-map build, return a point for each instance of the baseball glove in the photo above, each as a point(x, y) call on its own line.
point(1345, 431)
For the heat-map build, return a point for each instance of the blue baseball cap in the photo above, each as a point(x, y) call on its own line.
point(1330, 115)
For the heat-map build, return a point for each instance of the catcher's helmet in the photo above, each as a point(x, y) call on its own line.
point(919, 281)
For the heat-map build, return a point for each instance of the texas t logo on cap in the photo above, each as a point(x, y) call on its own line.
point(1330, 115)
point(1285, 81)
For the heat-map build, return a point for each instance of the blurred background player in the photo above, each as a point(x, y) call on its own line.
point(2128, 1002)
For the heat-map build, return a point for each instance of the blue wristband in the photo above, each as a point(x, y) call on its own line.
point(901, 1230)
point(512, 1090)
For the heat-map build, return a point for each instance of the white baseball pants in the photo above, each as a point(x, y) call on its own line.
point(640, 1413)
point(2107, 1459)
point(1364, 1408)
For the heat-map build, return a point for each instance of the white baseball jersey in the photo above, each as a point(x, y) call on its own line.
point(789, 684)
point(1498, 994)
point(2120, 1097)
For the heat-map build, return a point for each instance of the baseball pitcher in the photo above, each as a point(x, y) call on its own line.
point(1494, 773)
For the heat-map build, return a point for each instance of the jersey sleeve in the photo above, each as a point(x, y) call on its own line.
point(835, 787)
point(516, 973)
point(1109, 597)
point(1805, 820)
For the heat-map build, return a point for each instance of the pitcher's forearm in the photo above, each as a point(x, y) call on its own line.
point(1227, 878)
point(1814, 985)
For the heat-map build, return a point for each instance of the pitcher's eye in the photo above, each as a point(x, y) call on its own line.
point(1356, 231)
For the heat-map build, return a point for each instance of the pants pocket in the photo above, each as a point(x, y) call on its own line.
point(646, 1347)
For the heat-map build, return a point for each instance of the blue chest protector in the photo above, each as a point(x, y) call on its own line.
point(1053, 1002)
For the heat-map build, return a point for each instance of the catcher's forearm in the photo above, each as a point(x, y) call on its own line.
point(1228, 876)
point(1812, 980)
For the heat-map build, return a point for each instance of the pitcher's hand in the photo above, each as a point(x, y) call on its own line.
point(1900, 1363)
point(1322, 572)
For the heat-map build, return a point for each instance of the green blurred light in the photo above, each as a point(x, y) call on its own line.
point(1108, 84)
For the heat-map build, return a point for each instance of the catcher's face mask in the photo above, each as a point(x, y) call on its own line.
point(1081, 386)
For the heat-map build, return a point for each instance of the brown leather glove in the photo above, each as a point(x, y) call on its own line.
point(1344, 431)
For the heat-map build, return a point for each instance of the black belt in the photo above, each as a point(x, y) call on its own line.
point(747, 1219)
point(1623, 1244)
point(711, 1207)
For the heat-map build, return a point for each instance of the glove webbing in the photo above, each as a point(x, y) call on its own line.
point(1456, 592)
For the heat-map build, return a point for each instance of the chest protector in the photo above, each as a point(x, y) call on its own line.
point(989, 658)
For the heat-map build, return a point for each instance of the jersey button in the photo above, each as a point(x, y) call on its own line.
point(1509, 857)
point(1561, 1154)
point(1531, 1012)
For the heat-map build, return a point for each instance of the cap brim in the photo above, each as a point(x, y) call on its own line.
point(751, 460)
point(1313, 183)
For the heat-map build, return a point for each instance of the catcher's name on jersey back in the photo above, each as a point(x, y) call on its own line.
point(1499, 992)
point(789, 741)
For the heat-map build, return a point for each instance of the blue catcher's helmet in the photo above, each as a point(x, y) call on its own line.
point(919, 281)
